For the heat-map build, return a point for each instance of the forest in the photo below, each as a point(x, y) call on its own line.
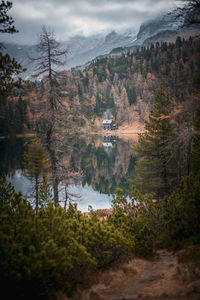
point(48, 249)
point(125, 85)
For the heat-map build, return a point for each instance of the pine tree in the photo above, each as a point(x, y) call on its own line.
point(45, 194)
point(98, 107)
point(132, 96)
point(156, 164)
point(8, 66)
point(20, 113)
point(36, 164)
point(6, 22)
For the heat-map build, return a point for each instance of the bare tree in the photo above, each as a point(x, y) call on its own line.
point(51, 56)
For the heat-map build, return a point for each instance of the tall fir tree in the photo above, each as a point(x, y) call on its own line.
point(155, 169)
point(37, 164)
point(45, 194)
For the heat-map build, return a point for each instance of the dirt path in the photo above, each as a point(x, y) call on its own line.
point(159, 279)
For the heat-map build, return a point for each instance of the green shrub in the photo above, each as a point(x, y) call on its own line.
point(53, 250)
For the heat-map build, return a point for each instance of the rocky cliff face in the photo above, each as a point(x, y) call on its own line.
point(162, 24)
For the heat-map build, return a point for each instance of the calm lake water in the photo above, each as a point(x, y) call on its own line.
point(104, 162)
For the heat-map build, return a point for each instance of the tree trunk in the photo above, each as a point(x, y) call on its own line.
point(179, 165)
point(36, 194)
point(55, 178)
point(188, 158)
point(52, 154)
point(66, 198)
point(165, 180)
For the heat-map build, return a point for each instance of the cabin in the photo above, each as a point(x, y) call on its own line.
point(107, 124)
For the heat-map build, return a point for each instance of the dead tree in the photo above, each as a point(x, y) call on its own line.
point(50, 58)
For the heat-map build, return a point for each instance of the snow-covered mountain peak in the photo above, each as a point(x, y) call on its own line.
point(83, 49)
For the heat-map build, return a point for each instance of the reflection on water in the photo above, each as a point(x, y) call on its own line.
point(11, 154)
point(21, 183)
point(109, 140)
point(90, 197)
point(105, 163)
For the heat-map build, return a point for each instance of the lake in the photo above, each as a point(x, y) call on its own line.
point(96, 166)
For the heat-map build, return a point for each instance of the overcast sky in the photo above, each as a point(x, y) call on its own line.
point(83, 17)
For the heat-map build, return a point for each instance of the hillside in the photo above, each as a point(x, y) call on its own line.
point(120, 87)
point(124, 86)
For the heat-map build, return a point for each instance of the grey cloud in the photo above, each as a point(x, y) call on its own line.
point(72, 3)
point(124, 15)
point(69, 17)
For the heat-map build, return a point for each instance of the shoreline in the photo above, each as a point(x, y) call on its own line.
point(110, 132)
point(126, 135)
point(121, 132)
point(25, 135)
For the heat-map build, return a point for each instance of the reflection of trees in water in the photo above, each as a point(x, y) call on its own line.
point(11, 154)
point(103, 170)
point(84, 156)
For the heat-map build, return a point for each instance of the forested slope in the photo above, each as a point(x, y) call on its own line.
point(123, 86)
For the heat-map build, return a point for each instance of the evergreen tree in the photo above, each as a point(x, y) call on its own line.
point(45, 194)
point(8, 69)
point(6, 22)
point(20, 115)
point(155, 167)
point(8, 66)
point(36, 164)
point(98, 107)
point(52, 251)
point(132, 96)
point(86, 80)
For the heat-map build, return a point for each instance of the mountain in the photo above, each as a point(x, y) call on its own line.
point(164, 23)
point(82, 50)
point(22, 53)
